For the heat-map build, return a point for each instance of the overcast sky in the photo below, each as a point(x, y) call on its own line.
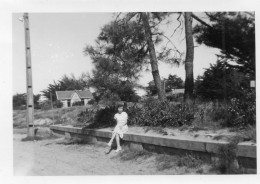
point(58, 40)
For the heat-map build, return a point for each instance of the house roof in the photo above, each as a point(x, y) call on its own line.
point(85, 94)
point(64, 95)
point(177, 91)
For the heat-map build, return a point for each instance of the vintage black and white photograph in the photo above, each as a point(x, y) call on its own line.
point(134, 93)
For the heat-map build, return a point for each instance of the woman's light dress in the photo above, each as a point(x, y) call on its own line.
point(121, 126)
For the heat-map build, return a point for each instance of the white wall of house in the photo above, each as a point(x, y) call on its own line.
point(75, 98)
point(86, 101)
point(65, 103)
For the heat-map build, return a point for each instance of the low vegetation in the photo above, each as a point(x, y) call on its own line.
point(238, 115)
point(188, 162)
point(47, 117)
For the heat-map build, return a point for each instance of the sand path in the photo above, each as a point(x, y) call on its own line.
point(48, 157)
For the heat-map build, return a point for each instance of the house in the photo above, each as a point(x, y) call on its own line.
point(174, 92)
point(69, 97)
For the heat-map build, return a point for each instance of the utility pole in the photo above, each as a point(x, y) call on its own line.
point(52, 107)
point(30, 104)
point(225, 60)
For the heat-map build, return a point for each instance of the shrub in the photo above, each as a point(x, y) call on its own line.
point(79, 103)
point(46, 105)
point(104, 117)
point(175, 98)
point(91, 102)
point(227, 159)
point(237, 113)
point(22, 107)
point(57, 104)
point(86, 116)
point(240, 113)
point(156, 113)
point(214, 112)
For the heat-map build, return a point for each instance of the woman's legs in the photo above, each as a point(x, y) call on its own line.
point(118, 143)
point(112, 138)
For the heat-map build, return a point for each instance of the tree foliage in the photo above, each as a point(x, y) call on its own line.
point(119, 56)
point(172, 82)
point(122, 50)
point(19, 101)
point(234, 34)
point(66, 83)
point(210, 85)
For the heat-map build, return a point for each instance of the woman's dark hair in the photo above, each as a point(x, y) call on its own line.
point(120, 105)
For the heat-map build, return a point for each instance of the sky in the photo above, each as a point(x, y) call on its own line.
point(58, 40)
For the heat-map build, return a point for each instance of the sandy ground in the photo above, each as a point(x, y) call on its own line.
point(49, 157)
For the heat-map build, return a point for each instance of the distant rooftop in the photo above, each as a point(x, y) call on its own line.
point(65, 95)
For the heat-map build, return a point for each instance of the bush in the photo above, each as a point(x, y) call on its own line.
point(46, 105)
point(104, 117)
point(156, 113)
point(237, 113)
point(79, 103)
point(86, 116)
point(227, 159)
point(58, 104)
point(175, 98)
point(22, 107)
point(242, 113)
point(91, 102)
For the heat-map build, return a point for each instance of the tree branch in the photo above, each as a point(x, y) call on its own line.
point(212, 17)
point(178, 25)
point(201, 21)
point(169, 41)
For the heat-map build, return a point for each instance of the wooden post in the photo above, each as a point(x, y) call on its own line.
point(30, 104)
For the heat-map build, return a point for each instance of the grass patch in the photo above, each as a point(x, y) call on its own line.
point(19, 119)
point(59, 116)
point(189, 161)
point(164, 161)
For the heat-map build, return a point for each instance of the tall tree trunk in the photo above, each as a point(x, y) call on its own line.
point(153, 59)
point(189, 81)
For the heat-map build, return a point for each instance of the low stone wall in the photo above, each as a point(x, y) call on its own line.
point(208, 150)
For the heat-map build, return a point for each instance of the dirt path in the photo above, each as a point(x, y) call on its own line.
point(49, 157)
